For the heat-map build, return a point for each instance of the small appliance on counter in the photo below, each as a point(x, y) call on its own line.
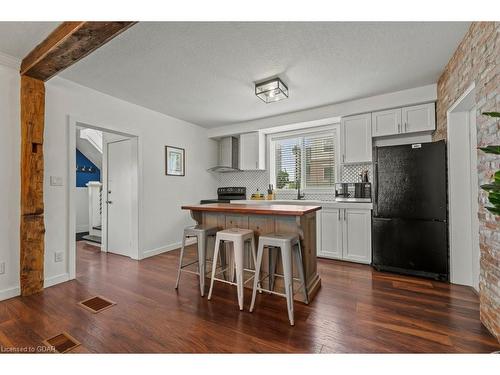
point(353, 192)
point(257, 196)
point(228, 194)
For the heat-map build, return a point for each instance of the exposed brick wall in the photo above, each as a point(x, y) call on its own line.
point(477, 59)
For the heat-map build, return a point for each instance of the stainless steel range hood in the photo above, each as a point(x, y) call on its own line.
point(228, 156)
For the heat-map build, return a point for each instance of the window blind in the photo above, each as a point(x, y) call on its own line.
point(307, 161)
point(288, 163)
point(319, 161)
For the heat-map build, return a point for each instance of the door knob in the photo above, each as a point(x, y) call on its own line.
point(109, 202)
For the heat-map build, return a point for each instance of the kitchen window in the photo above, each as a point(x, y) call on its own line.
point(305, 160)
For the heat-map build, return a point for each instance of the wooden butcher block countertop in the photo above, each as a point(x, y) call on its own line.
point(254, 209)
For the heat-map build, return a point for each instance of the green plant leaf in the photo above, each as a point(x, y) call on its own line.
point(491, 187)
point(494, 198)
point(496, 177)
point(492, 114)
point(491, 149)
point(494, 210)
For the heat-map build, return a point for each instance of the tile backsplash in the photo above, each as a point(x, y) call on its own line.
point(254, 180)
point(351, 172)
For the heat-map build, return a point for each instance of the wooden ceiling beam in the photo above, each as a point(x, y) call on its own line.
point(67, 44)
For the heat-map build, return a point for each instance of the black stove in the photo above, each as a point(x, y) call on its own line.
point(227, 194)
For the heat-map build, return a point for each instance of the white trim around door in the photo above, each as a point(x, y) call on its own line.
point(137, 189)
point(463, 190)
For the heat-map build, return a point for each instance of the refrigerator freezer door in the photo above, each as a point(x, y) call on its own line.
point(410, 181)
point(414, 247)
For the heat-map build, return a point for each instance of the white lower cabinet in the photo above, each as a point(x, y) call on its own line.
point(356, 239)
point(345, 234)
point(329, 233)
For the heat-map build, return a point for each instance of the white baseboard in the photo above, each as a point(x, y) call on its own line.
point(164, 249)
point(9, 293)
point(51, 281)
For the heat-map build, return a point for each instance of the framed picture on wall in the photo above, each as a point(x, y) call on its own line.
point(174, 161)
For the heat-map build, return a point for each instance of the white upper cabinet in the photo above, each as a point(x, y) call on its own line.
point(419, 118)
point(357, 236)
point(357, 138)
point(252, 151)
point(386, 122)
point(414, 119)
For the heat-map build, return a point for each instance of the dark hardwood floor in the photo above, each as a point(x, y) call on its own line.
point(357, 310)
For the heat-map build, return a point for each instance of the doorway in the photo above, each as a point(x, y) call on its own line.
point(107, 198)
point(463, 187)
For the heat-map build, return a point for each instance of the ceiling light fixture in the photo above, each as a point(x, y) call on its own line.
point(271, 90)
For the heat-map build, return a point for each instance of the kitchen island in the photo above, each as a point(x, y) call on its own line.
point(268, 219)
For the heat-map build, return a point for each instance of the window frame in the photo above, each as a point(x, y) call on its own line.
point(317, 132)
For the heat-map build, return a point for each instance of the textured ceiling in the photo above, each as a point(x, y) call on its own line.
point(19, 38)
point(205, 72)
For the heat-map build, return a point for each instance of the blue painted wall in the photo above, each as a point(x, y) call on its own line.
point(83, 177)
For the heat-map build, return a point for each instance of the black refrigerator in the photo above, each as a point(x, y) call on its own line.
point(410, 212)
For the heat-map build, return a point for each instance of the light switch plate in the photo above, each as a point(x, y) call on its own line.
point(58, 256)
point(2, 268)
point(56, 181)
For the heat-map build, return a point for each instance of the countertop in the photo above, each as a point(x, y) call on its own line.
point(256, 209)
point(308, 202)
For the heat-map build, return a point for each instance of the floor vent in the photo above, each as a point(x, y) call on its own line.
point(96, 304)
point(62, 343)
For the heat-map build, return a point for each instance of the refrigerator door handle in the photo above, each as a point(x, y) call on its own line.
point(375, 185)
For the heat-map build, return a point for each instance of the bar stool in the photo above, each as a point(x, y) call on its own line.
point(239, 238)
point(287, 243)
point(201, 233)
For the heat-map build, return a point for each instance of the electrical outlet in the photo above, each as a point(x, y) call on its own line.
point(58, 256)
point(2, 268)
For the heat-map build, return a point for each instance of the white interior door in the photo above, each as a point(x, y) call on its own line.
point(119, 197)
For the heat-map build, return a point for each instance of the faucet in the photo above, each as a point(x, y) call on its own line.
point(299, 196)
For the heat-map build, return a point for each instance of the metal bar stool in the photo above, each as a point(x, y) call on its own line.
point(201, 233)
point(239, 238)
point(287, 243)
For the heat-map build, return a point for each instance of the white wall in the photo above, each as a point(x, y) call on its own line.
point(10, 136)
point(162, 220)
point(330, 114)
point(82, 209)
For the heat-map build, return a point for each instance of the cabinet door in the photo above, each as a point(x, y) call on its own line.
point(252, 147)
point(419, 118)
point(330, 234)
point(386, 122)
point(357, 235)
point(357, 138)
